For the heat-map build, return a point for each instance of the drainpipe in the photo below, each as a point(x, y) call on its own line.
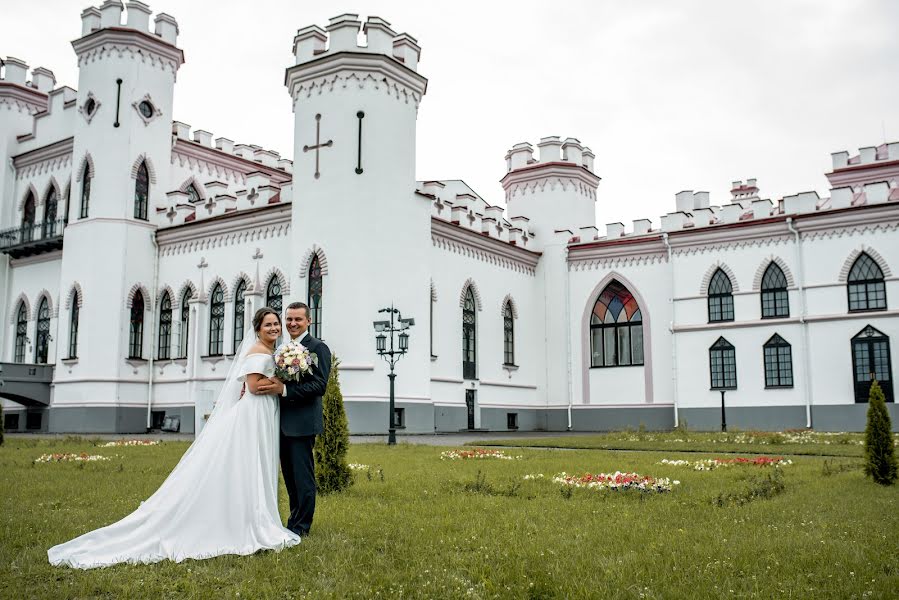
point(568, 333)
point(806, 380)
point(153, 290)
point(671, 329)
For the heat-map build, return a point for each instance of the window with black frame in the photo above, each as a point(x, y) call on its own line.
point(778, 357)
point(775, 298)
point(42, 337)
point(28, 215)
point(870, 361)
point(141, 192)
point(723, 365)
point(136, 331)
point(508, 334)
point(721, 298)
point(51, 206)
point(21, 333)
point(85, 192)
point(217, 321)
point(316, 289)
point(240, 309)
point(73, 326)
point(866, 287)
point(185, 322)
point(164, 343)
point(273, 297)
point(616, 328)
point(469, 336)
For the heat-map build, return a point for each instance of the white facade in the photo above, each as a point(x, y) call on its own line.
point(222, 219)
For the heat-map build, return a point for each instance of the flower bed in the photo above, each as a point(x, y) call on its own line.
point(476, 453)
point(83, 457)
point(616, 481)
point(710, 464)
point(118, 443)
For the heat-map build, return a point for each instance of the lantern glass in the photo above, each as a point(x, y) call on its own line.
point(404, 342)
point(381, 341)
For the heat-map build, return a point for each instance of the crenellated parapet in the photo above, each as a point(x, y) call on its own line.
point(871, 176)
point(566, 166)
point(103, 34)
point(333, 59)
point(17, 93)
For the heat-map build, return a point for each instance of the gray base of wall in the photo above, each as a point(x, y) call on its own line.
point(652, 418)
point(113, 419)
point(840, 417)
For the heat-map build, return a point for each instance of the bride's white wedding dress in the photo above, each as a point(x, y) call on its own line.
point(221, 498)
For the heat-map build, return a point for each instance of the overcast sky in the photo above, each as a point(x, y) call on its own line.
point(669, 94)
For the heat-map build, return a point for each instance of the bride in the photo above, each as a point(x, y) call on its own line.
point(222, 497)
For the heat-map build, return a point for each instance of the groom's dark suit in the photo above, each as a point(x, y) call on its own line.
point(301, 421)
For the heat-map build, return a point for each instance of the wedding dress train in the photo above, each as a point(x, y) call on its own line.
point(221, 498)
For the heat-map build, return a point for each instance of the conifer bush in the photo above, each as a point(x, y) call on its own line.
point(880, 455)
point(332, 472)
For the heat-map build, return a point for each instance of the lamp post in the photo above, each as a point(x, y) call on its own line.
point(383, 329)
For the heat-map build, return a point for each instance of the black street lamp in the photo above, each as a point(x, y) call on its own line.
point(396, 324)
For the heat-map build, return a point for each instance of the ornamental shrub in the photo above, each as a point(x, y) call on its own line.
point(332, 473)
point(880, 455)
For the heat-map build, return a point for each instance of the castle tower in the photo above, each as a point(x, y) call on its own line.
point(557, 193)
point(122, 141)
point(354, 202)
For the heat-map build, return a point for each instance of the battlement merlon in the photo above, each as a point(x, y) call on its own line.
point(161, 40)
point(16, 72)
point(552, 151)
point(342, 35)
point(869, 155)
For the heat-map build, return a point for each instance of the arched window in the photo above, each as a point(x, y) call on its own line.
point(775, 300)
point(778, 363)
point(21, 333)
point(164, 343)
point(273, 294)
point(315, 298)
point(616, 328)
point(65, 214)
point(721, 299)
point(469, 337)
point(85, 191)
point(723, 365)
point(431, 332)
point(508, 335)
point(193, 196)
point(866, 287)
point(217, 321)
point(28, 212)
point(185, 322)
point(50, 209)
point(871, 360)
point(42, 338)
point(240, 309)
point(136, 331)
point(141, 192)
point(73, 326)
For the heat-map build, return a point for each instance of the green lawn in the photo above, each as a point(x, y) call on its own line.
point(427, 530)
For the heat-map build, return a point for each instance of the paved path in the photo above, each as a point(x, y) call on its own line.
point(436, 439)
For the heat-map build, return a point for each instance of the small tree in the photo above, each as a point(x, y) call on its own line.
point(880, 457)
point(332, 473)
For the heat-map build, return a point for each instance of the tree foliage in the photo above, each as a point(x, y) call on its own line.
point(880, 454)
point(332, 473)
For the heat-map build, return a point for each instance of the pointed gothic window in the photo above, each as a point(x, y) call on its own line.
point(85, 191)
point(508, 334)
point(136, 331)
point(217, 321)
point(469, 336)
point(73, 325)
point(866, 288)
point(164, 343)
point(616, 328)
point(723, 365)
point(21, 332)
point(778, 357)
point(141, 192)
point(431, 332)
point(871, 360)
point(775, 299)
point(315, 298)
point(185, 322)
point(28, 211)
point(42, 339)
point(50, 208)
point(240, 308)
point(721, 299)
point(273, 294)
point(193, 196)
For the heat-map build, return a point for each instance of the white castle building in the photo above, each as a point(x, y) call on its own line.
point(135, 251)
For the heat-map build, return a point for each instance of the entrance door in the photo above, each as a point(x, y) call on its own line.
point(469, 404)
point(871, 357)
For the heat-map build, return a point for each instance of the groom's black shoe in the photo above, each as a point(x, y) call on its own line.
point(300, 532)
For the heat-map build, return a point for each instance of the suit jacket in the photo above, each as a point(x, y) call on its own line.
point(301, 408)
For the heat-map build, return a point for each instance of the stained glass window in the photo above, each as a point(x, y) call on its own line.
point(217, 321)
point(616, 328)
point(141, 192)
point(136, 332)
point(164, 345)
point(192, 194)
point(721, 299)
point(775, 299)
point(723, 365)
point(273, 294)
point(867, 290)
point(778, 356)
point(315, 298)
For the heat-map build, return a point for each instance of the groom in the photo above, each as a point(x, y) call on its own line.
point(301, 420)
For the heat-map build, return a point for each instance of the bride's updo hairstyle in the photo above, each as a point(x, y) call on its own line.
point(260, 315)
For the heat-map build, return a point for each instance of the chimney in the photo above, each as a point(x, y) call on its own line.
point(550, 149)
point(379, 36)
point(406, 50)
point(521, 155)
point(90, 20)
point(225, 145)
point(16, 70)
point(166, 28)
point(111, 13)
point(204, 138)
point(43, 79)
point(138, 16)
point(683, 201)
point(308, 43)
point(344, 32)
point(572, 151)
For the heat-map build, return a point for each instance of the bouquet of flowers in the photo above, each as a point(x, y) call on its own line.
point(293, 361)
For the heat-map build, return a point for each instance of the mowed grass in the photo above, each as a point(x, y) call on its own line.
point(793, 442)
point(420, 534)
